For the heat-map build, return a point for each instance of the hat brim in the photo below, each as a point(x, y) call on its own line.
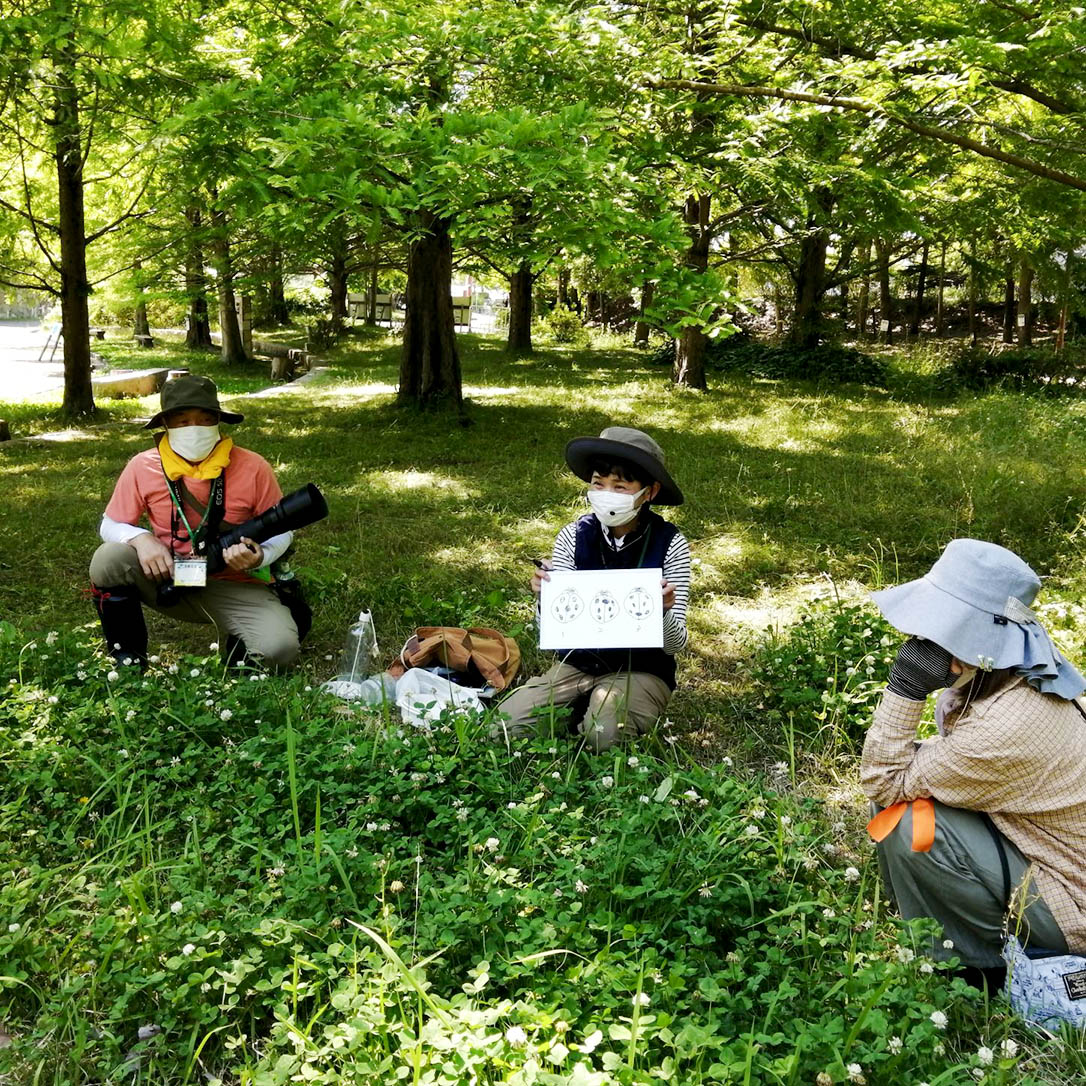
point(224, 416)
point(581, 451)
point(921, 609)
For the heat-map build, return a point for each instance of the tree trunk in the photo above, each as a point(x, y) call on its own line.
point(519, 340)
point(198, 332)
point(371, 305)
point(689, 366)
point(233, 348)
point(939, 319)
point(563, 288)
point(973, 329)
point(865, 293)
point(74, 288)
point(278, 313)
point(641, 328)
point(1025, 303)
point(430, 364)
point(1009, 309)
point(337, 284)
point(806, 330)
point(886, 299)
point(140, 326)
point(921, 285)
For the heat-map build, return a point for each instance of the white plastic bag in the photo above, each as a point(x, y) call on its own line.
point(423, 696)
point(1046, 991)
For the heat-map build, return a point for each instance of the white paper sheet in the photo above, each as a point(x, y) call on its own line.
point(602, 609)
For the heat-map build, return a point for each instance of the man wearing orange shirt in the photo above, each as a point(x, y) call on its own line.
point(191, 485)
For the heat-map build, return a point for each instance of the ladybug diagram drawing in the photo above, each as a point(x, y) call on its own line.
point(602, 609)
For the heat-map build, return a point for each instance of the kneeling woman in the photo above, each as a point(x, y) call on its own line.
point(1007, 772)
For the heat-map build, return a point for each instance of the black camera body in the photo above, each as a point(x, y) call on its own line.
point(298, 509)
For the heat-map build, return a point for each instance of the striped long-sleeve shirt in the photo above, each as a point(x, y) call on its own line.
point(676, 572)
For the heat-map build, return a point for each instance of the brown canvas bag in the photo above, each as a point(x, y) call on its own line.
point(488, 653)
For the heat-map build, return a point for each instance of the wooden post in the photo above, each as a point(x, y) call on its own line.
point(245, 321)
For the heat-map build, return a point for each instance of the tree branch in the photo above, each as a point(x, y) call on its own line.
point(1038, 169)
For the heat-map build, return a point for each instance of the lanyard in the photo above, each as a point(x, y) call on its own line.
point(641, 556)
point(215, 502)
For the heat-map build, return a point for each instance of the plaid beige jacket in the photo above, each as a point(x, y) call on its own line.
point(1018, 755)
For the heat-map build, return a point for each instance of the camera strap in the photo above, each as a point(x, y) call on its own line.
point(211, 515)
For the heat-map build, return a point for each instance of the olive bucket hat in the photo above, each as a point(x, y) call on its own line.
point(191, 390)
point(975, 603)
point(624, 443)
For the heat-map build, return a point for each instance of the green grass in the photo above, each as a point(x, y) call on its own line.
point(123, 797)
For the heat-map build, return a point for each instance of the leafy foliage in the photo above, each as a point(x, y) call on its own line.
point(1022, 369)
point(820, 680)
point(229, 875)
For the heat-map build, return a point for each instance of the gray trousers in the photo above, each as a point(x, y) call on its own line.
point(960, 883)
point(249, 611)
point(620, 706)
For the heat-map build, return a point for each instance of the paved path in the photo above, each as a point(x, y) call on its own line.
point(22, 376)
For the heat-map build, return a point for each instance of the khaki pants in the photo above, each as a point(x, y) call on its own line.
point(960, 883)
point(249, 611)
point(620, 706)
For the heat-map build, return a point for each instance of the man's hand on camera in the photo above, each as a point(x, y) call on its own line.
point(921, 667)
point(155, 558)
point(244, 555)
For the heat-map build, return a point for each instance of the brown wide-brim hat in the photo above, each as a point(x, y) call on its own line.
point(191, 390)
point(624, 443)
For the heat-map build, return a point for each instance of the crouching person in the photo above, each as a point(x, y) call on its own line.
point(984, 825)
point(617, 694)
point(192, 484)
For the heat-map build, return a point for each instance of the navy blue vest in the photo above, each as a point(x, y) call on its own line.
point(645, 548)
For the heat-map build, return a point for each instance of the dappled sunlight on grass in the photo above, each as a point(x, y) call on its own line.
point(394, 482)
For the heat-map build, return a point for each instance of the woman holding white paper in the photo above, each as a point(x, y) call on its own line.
point(624, 691)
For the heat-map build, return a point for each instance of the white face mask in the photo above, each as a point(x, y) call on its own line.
point(193, 442)
point(612, 508)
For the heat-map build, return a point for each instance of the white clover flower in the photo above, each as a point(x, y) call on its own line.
point(852, 874)
point(351, 853)
point(948, 944)
point(786, 820)
point(938, 1019)
point(705, 890)
point(828, 913)
point(195, 673)
point(516, 1036)
point(855, 1073)
point(81, 674)
point(641, 999)
point(607, 782)
point(829, 848)
point(985, 1056)
point(690, 793)
point(905, 954)
point(561, 1026)
point(188, 948)
point(51, 637)
point(927, 968)
point(581, 886)
point(122, 752)
point(226, 714)
point(112, 677)
point(757, 813)
point(396, 886)
point(176, 907)
point(492, 844)
point(276, 872)
point(52, 699)
point(173, 669)
point(633, 761)
point(153, 659)
point(591, 1041)
point(13, 928)
point(822, 1079)
point(979, 1074)
point(556, 776)
point(1008, 1049)
point(175, 760)
point(895, 1045)
point(727, 761)
point(751, 830)
point(214, 646)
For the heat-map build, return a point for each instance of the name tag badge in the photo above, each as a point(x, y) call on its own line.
point(190, 572)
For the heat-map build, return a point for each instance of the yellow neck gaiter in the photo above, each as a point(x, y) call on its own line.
point(211, 467)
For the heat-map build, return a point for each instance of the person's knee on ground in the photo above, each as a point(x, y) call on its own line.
point(115, 590)
point(608, 720)
point(275, 644)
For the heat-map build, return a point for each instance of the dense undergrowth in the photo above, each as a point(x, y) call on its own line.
point(227, 878)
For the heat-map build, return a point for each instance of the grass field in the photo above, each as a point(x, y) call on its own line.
point(711, 920)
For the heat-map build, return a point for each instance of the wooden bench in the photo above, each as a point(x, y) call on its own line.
point(98, 333)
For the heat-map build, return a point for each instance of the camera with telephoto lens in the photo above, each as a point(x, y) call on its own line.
point(298, 509)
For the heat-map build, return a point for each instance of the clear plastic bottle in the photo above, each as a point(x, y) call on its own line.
point(360, 653)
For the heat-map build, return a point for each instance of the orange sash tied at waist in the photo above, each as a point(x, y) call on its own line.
point(885, 822)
